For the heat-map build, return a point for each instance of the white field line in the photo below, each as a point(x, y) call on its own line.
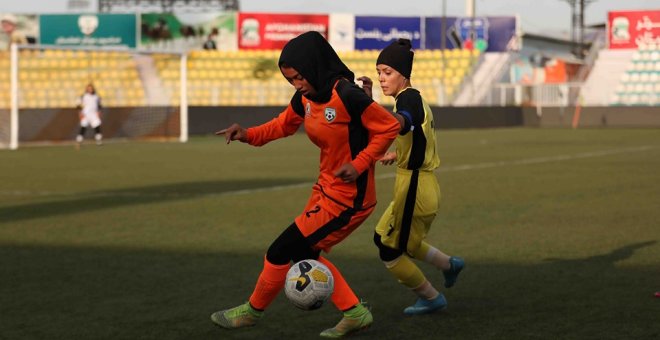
point(456, 168)
point(536, 160)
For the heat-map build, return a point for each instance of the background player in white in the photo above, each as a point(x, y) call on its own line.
point(90, 114)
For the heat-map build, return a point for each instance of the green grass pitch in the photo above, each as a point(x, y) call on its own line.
point(560, 230)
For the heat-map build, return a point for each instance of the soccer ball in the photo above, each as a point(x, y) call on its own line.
point(309, 283)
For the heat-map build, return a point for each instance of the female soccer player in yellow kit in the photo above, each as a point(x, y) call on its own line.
point(401, 231)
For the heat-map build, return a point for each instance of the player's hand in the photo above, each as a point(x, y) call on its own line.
point(389, 158)
point(367, 85)
point(347, 173)
point(234, 132)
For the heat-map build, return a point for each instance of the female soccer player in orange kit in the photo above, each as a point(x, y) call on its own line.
point(352, 133)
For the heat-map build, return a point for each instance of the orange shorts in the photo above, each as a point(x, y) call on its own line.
point(325, 223)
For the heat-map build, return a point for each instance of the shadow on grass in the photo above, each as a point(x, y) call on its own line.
point(92, 201)
point(100, 293)
point(608, 259)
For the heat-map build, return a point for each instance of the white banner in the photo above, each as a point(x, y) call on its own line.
point(341, 33)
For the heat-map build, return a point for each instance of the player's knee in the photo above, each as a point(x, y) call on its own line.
point(290, 246)
point(386, 253)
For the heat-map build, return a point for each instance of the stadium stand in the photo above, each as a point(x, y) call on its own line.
point(252, 78)
point(484, 75)
point(604, 78)
point(640, 83)
point(437, 74)
point(53, 78)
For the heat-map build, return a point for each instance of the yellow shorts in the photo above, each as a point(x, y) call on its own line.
point(407, 220)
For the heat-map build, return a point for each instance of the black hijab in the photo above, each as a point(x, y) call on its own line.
point(313, 57)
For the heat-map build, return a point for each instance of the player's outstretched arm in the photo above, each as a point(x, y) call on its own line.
point(234, 132)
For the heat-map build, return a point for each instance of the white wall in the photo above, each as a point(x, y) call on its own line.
point(48, 6)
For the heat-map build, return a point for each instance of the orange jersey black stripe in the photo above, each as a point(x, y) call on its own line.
point(350, 127)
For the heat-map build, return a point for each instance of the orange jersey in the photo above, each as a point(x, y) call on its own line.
point(350, 127)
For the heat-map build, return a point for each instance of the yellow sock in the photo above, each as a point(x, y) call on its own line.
point(429, 254)
point(406, 272)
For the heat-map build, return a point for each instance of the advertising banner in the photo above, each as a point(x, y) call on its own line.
point(19, 28)
point(186, 31)
point(489, 34)
point(103, 30)
point(264, 31)
point(630, 29)
point(378, 32)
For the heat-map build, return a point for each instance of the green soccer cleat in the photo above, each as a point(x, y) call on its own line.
point(355, 320)
point(237, 317)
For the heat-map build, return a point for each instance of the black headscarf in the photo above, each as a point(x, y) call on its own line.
point(313, 57)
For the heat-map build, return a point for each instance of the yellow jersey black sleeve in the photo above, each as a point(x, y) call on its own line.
point(416, 144)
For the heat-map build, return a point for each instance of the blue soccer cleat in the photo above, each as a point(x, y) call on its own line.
point(456, 264)
point(423, 306)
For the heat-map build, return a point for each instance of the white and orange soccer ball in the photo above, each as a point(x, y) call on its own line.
point(309, 284)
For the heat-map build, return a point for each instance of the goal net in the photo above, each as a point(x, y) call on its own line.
point(142, 94)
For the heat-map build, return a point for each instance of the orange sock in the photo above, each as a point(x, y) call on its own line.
point(269, 284)
point(343, 296)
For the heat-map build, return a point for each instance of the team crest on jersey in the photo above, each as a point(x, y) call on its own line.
point(308, 109)
point(330, 114)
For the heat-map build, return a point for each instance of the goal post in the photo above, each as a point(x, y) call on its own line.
point(13, 118)
point(143, 94)
point(183, 101)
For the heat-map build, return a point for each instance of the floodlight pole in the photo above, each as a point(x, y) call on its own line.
point(440, 89)
point(469, 8)
point(580, 22)
point(443, 28)
point(577, 25)
point(470, 11)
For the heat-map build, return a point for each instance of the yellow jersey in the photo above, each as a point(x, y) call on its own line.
point(415, 144)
